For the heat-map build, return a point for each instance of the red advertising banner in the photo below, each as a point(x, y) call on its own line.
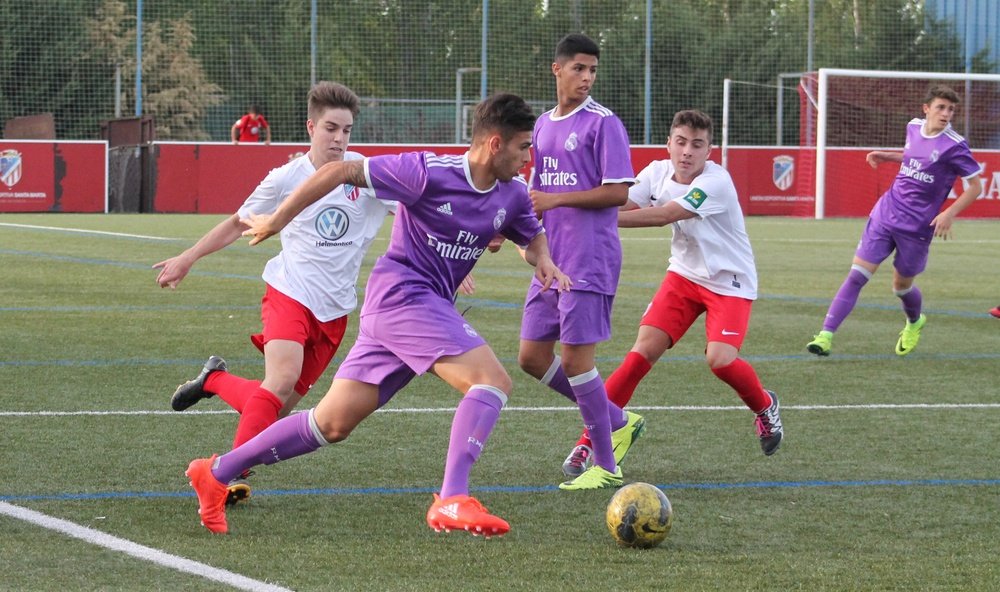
point(45, 176)
point(781, 182)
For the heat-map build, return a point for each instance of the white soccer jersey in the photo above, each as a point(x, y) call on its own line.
point(323, 247)
point(712, 249)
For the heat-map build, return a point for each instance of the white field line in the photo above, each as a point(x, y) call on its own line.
point(84, 231)
point(156, 556)
point(889, 406)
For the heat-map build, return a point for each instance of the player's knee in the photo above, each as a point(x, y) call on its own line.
point(531, 364)
point(719, 359)
point(333, 432)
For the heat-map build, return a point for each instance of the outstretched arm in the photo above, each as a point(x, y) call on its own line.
point(654, 216)
point(173, 270)
point(323, 181)
point(878, 156)
point(942, 222)
point(605, 196)
point(537, 254)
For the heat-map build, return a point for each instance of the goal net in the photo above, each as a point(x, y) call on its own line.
point(846, 113)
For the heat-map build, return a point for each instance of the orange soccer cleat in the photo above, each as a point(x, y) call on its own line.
point(462, 512)
point(211, 494)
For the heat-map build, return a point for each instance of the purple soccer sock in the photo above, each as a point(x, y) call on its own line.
point(556, 379)
point(847, 296)
point(913, 302)
point(593, 402)
point(475, 417)
point(286, 438)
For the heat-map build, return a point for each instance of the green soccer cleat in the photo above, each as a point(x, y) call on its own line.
point(821, 343)
point(909, 337)
point(596, 477)
point(624, 437)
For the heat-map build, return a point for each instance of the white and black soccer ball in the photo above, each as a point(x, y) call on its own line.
point(639, 515)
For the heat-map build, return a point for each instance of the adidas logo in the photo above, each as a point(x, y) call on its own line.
point(445, 208)
point(450, 510)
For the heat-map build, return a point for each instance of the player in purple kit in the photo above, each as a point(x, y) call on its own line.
point(908, 216)
point(582, 174)
point(450, 208)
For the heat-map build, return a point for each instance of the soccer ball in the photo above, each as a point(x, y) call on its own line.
point(639, 515)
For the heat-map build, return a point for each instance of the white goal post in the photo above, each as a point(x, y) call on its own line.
point(824, 75)
point(866, 113)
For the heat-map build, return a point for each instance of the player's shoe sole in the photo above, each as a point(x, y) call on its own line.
point(909, 337)
point(237, 491)
point(596, 477)
point(462, 512)
point(193, 391)
point(211, 494)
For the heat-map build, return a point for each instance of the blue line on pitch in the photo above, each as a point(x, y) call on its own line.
point(336, 491)
point(840, 358)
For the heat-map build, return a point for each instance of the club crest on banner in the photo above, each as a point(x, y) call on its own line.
point(783, 171)
point(10, 167)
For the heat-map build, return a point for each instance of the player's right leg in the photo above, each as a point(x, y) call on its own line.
point(876, 244)
point(346, 404)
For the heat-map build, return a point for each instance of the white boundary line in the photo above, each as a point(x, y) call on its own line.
point(532, 409)
point(84, 231)
point(103, 539)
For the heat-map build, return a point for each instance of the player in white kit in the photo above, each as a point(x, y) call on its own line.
point(310, 286)
point(711, 271)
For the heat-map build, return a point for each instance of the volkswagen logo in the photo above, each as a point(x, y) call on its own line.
point(332, 223)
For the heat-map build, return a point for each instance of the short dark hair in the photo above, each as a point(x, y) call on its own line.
point(255, 108)
point(505, 113)
point(575, 43)
point(694, 119)
point(331, 95)
point(941, 91)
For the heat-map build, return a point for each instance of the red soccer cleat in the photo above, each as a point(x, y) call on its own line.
point(211, 494)
point(996, 311)
point(461, 512)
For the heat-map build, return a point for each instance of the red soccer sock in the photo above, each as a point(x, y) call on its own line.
point(622, 383)
point(741, 376)
point(234, 390)
point(260, 411)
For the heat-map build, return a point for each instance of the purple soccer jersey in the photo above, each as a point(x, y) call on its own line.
point(583, 150)
point(443, 224)
point(929, 169)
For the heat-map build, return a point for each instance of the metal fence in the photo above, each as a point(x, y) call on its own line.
point(196, 66)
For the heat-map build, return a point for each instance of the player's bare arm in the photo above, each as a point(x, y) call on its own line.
point(327, 178)
point(877, 157)
point(605, 196)
point(537, 254)
point(653, 216)
point(943, 221)
point(173, 270)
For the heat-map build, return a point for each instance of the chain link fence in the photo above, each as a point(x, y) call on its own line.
point(418, 63)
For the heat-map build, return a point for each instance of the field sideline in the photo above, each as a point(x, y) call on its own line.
point(887, 479)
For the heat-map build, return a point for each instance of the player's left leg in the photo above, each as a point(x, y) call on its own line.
point(910, 261)
point(725, 328)
point(481, 377)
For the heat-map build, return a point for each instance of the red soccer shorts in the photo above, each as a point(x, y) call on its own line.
point(679, 301)
point(287, 319)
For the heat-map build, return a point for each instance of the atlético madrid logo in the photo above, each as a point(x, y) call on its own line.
point(10, 167)
point(783, 173)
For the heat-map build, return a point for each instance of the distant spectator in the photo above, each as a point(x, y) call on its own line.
point(248, 127)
